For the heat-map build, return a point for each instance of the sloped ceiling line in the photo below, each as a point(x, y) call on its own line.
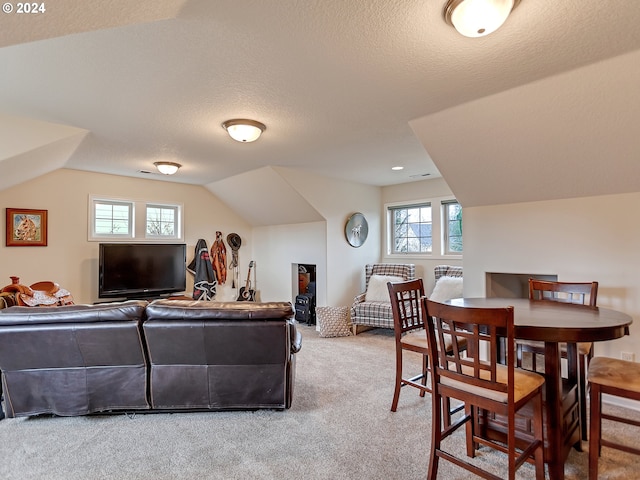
point(262, 197)
point(570, 135)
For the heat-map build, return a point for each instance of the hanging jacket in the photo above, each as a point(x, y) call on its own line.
point(219, 258)
point(205, 280)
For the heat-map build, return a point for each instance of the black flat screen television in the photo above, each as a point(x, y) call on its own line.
point(141, 270)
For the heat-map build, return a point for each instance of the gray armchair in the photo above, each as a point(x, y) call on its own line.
point(447, 271)
point(367, 314)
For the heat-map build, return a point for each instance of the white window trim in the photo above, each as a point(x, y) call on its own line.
point(177, 224)
point(445, 230)
point(437, 230)
point(139, 220)
point(389, 208)
point(92, 236)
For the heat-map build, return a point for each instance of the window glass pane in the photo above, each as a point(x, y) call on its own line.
point(400, 216)
point(402, 230)
point(121, 212)
point(161, 221)
point(453, 227)
point(112, 218)
point(401, 245)
point(103, 226)
point(413, 215)
point(425, 214)
point(412, 231)
point(103, 210)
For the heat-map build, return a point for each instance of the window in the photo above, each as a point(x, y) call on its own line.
point(427, 227)
point(411, 228)
point(452, 221)
point(162, 221)
point(112, 218)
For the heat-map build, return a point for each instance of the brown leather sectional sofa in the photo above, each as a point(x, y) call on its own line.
point(168, 355)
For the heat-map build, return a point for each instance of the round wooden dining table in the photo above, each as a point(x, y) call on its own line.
point(555, 323)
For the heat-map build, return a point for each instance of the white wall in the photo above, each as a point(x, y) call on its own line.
point(340, 274)
point(412, 192)
point(277, 248)
point(340, 267)
point(580, 239)
point(70, 259)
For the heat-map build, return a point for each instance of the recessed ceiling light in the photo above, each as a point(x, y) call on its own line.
point(398, 167)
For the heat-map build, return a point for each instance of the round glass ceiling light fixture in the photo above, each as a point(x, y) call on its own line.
point(244, 130)
point(477, 18)
point(167, 168)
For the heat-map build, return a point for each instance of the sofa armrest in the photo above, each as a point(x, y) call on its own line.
point(295, 337)
point(296, 344)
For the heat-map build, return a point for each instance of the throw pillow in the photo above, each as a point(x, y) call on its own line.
point(447, 288)
point(377, 290)
point(333, 321)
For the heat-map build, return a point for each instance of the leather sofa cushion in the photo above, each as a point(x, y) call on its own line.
point(195, 309)
point(115, 311)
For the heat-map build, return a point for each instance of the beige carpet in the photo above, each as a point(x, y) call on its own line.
point(339, 427)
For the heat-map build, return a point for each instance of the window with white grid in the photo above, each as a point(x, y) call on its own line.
point(112, 218)
point(118, 219)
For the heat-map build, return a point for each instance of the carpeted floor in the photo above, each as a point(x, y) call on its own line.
point(339, 427)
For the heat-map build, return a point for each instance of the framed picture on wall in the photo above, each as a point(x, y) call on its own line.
point(26, 227)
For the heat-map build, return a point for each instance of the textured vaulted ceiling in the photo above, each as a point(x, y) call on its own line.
point(347, 89)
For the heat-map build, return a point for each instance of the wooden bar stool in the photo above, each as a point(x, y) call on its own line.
point(406, 299)
point(482, 385)
point(620, 378)
point(585, 293)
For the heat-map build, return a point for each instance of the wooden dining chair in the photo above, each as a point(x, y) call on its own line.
point(585, 293)
point(482, 384)
point(406, 298)
point(620, 378)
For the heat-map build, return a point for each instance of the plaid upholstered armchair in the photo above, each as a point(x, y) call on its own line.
point(373, 307)
point(446, 271)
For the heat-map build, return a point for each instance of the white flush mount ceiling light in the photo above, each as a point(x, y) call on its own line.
point(167, 168)
point(243, 130)
point(477, 18)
